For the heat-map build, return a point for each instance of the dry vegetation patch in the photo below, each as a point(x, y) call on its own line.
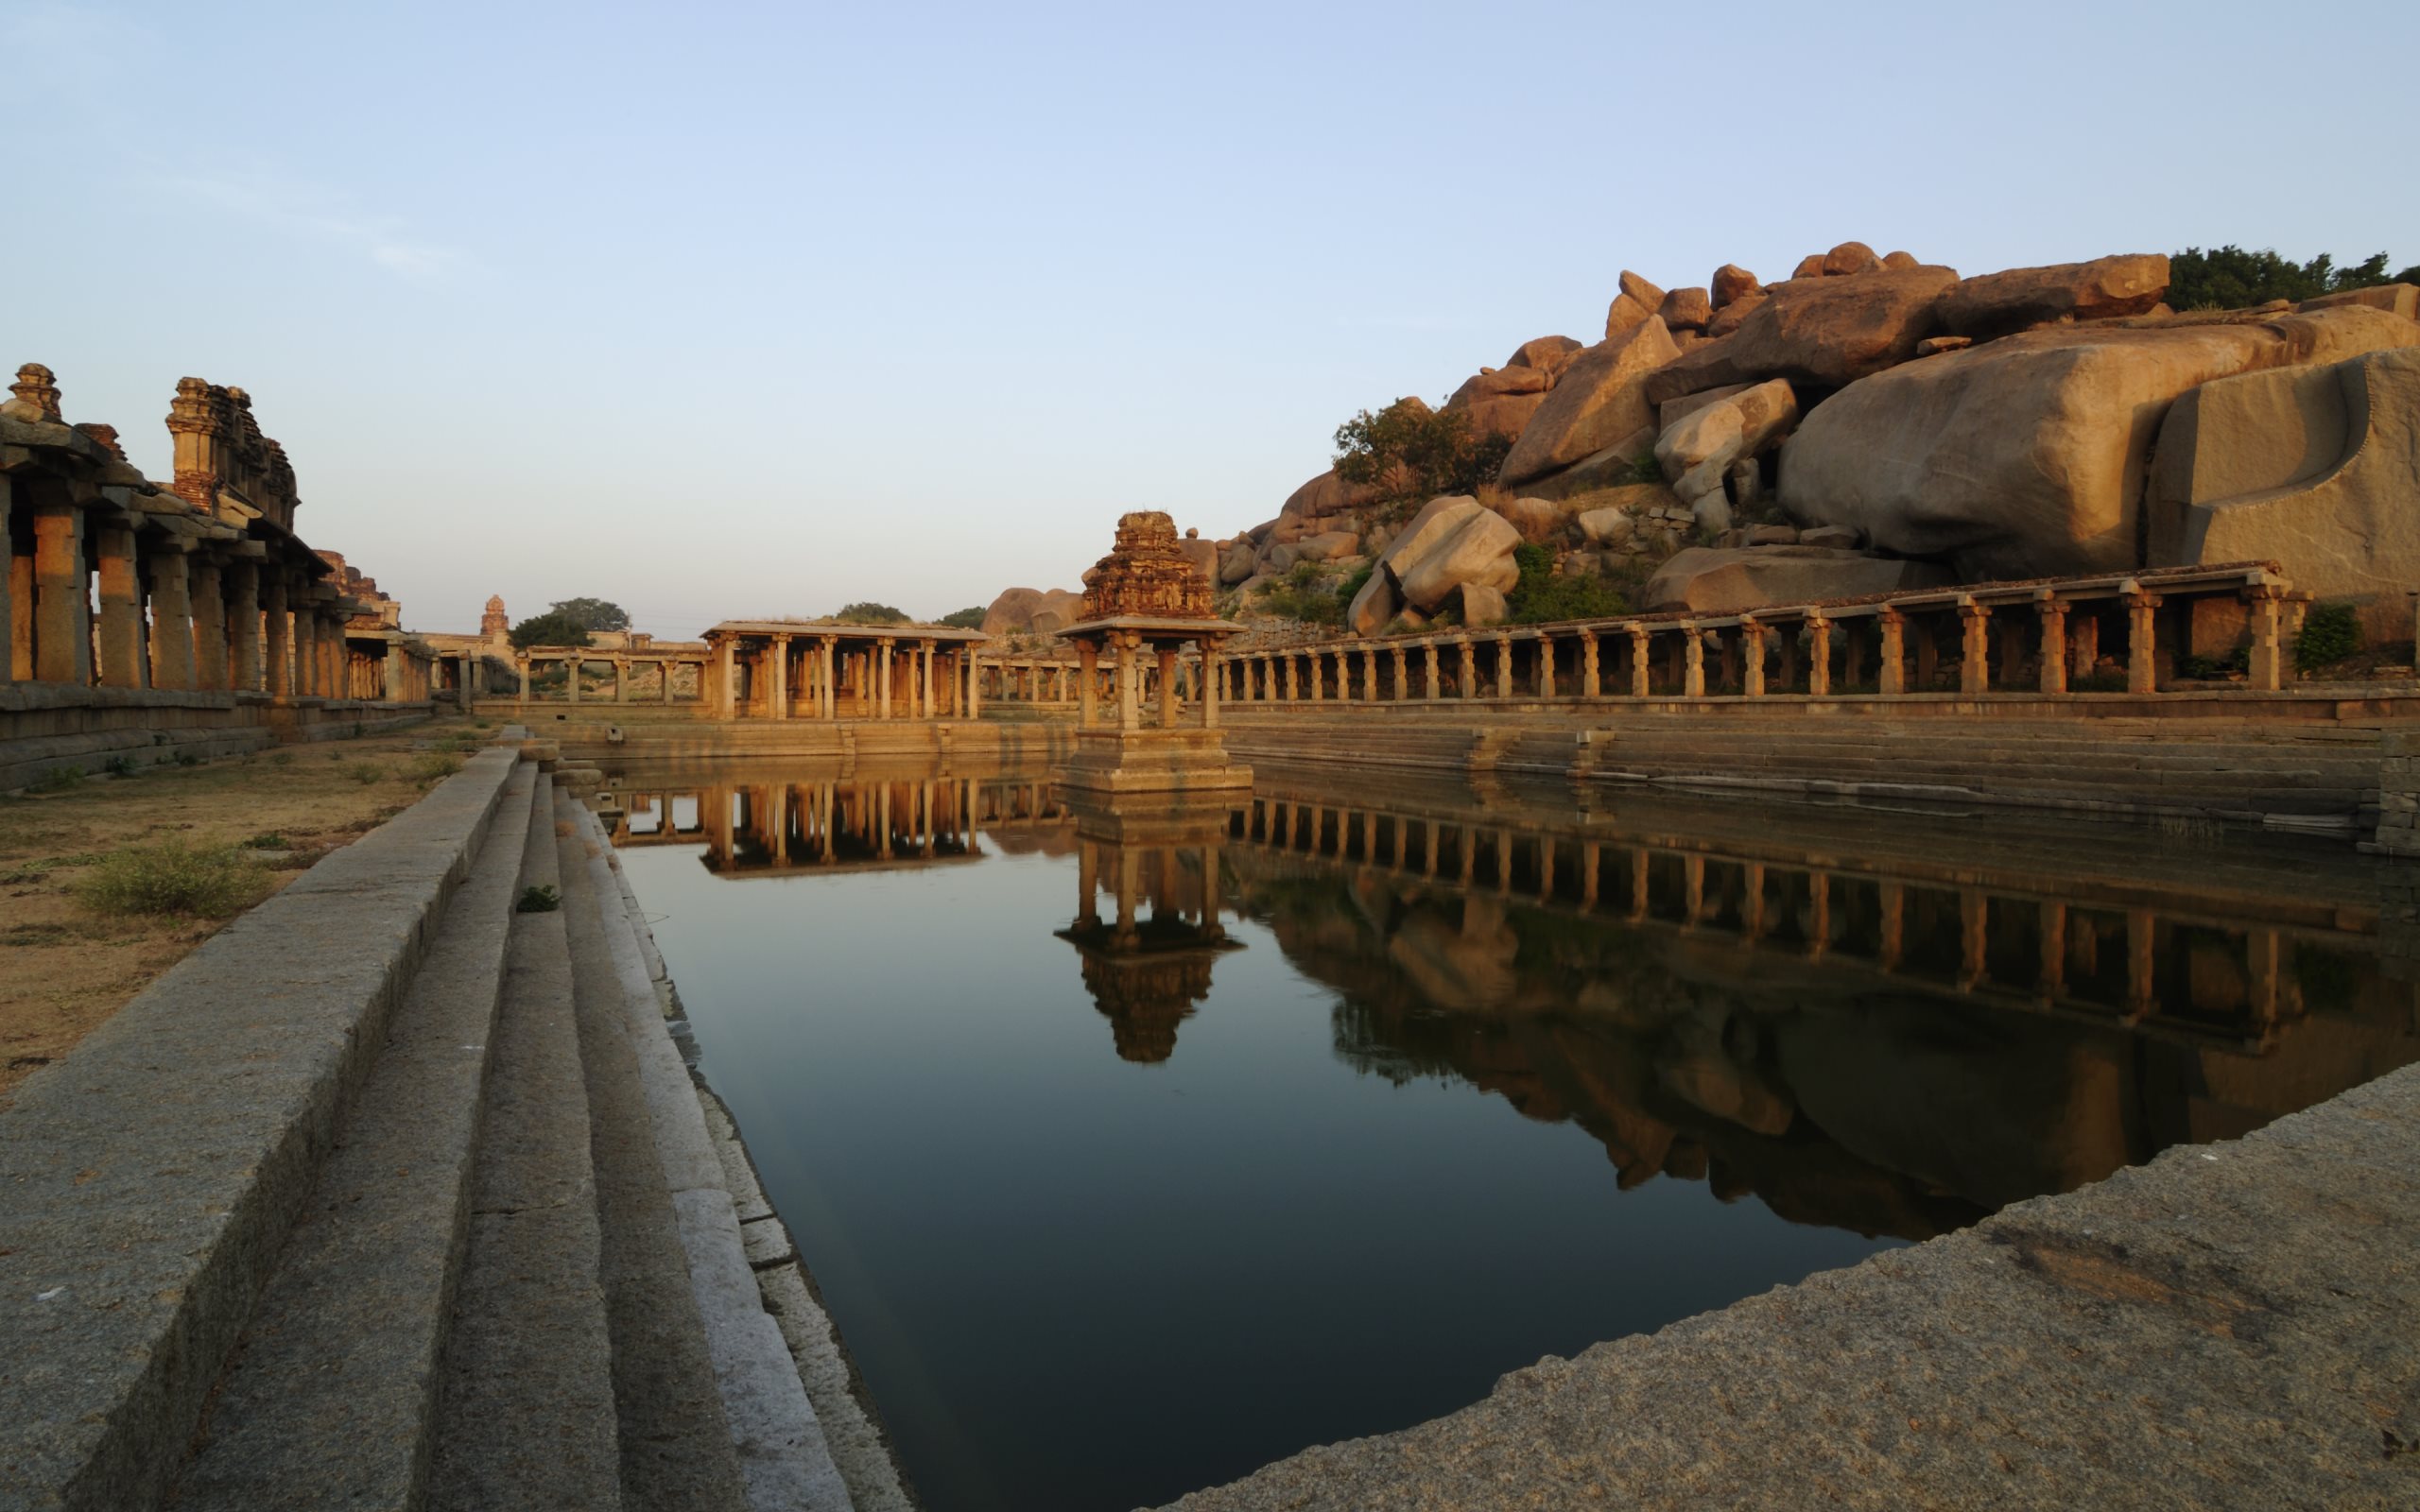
point(107, 880)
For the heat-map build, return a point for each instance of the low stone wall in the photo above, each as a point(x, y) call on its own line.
point(45, 727)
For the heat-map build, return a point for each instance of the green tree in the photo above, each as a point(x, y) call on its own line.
point(591, 613)
point(2230, 277)
point(1541, 597)
point(1411, 449)
point(553, 628)
point(869, 613)
point(965, 619)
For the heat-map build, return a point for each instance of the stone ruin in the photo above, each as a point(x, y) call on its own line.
point(1148, 575)
point(220, 450)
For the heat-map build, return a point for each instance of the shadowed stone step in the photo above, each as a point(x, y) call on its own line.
point(525, 1414)
point(674, 1440)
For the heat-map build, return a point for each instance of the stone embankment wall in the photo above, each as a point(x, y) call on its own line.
point(46, 726)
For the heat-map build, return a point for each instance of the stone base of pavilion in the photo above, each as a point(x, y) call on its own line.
point(1152, 761)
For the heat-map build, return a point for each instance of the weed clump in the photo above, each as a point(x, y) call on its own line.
point(434, 766)
point(174, 877)
point(538, 899)
point(366, 773)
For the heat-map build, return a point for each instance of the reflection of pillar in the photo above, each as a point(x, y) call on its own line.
point(2052, 984)
point(1752, 910)
point(1087, 884)
point(1638, 860)
point(1894, 926)
point(1589, 857)
point(2141, 942)
point(1974, 938)
point(2264, 963)
point(1692, 890)
point(1819, 915)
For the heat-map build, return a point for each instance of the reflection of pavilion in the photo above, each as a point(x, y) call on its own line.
point(788, 827)
point(1146, 973)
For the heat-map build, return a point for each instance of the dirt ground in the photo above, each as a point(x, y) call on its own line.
point(64, 969)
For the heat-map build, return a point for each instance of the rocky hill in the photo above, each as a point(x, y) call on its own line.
point(1873, 421)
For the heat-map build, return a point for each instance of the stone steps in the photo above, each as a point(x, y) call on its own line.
point(392, 1197)
point(331, 1393)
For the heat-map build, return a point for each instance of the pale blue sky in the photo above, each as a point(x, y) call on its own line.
point(740, 309)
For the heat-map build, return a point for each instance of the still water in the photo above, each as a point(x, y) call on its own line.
point(1134, 1149)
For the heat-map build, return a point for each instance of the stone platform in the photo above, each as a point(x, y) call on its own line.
point(1152, 761)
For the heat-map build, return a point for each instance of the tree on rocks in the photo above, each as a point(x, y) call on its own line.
point(964, 619)
point(1412, 451)
point(591, 613)
point(553, 628)
point(2230, 277)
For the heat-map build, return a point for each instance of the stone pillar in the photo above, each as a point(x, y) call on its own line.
point(2266, 669)
point(2142, 641)
point(172, 657)
point(1428, 667)
point(1402, 674)
point(1591, 672)
point(1343, 675)
point(1546, 666)
point(1167, 686)
point(1130, 683)
point(1974, 649)
point(243, 625)
point(1504, 667)
point(1209, 702)
point(925, 676)
point(521, 667)
point(63, 620)
point(2053, 615)
point(123, 662)
point(1894, 672)
point(973, 683)
point(1469, 685)
point(725, 679)
point(1641, 666)
point(394, 691)
point(1692, 662)
point(1819, 656)
point(1088, 680)
point(1751, 665)
point(621, 680)
point(571, 679)
point(208, 591)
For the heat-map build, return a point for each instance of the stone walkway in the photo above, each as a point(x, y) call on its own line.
point(2231, 1326)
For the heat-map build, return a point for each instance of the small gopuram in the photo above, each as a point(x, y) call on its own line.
point(1146, 601)
point(1146, 973)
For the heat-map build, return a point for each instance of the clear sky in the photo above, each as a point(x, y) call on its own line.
point(729, 309)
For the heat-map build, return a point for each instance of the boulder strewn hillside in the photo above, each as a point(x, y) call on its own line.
point(1871, 421)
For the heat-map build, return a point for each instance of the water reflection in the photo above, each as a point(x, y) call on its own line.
point(1863, 1034)
point(1146, 973)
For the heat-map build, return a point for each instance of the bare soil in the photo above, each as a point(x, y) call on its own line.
point(64, 969)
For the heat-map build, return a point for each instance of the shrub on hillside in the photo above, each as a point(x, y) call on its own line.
point(1412, 451)
point(1541, 597)
point(869, 613)
point(964, 619)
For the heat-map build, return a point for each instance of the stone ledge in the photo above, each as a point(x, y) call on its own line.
point(153, 1175)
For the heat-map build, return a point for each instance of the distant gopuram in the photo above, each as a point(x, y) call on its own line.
point(1148, 603)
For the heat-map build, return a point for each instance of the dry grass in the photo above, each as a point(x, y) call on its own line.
point(67, 964)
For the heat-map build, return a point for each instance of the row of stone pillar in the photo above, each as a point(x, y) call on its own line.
point(525, 664)
point(874, 680)
point(1755, 657)
point(2065, 947)
point(173, 612)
